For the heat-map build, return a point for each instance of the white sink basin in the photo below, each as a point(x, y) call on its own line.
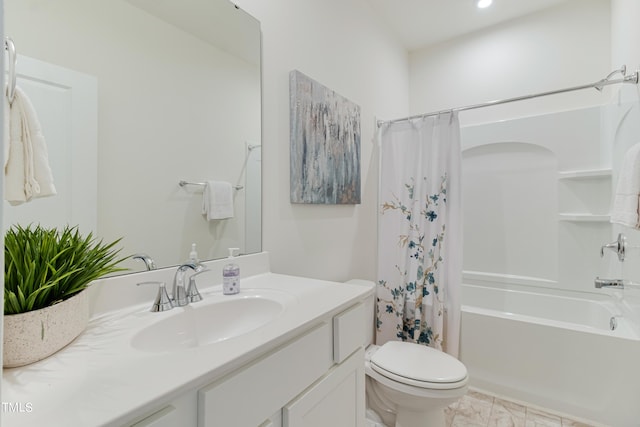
point(220, 318)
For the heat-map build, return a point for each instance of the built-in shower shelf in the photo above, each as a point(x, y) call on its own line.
point(585, 173)
point(583, 217)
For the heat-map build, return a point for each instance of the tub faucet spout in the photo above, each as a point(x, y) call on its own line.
point(609, 283)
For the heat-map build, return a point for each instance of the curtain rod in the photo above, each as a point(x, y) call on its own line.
point(631, 78)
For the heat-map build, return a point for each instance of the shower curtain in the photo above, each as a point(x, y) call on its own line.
point(420, 232)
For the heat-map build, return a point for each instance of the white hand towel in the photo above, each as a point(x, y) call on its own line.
point(27, 170)
point(626, 203)
point(13, 157)
point(7, 123)
point(217, 200)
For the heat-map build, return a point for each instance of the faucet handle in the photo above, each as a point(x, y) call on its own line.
point(162, 301)
point(619, 247)
point(192, 291)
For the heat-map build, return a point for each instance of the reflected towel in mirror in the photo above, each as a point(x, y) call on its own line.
point(26, 166)
point(217, 200)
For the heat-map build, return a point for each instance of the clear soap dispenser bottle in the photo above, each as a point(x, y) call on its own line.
point(193, 255)
point(231, 275)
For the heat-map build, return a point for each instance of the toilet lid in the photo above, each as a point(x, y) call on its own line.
point(418, 363)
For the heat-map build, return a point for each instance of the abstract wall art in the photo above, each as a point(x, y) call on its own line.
point(325, 144)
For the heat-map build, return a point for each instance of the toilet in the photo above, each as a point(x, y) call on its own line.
point(407, 384)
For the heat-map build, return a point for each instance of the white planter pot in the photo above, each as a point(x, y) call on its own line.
point(35, 335)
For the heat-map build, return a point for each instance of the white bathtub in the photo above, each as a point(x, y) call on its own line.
point(554, 350)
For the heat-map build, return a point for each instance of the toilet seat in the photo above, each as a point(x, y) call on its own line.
point(418, 366)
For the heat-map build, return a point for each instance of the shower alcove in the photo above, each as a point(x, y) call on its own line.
point(536, 198)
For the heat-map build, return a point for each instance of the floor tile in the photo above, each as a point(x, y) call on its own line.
point(570, 423)
point(449, 413)
point(507, 414)
point(474, 409)
point(463, 421)
point(506, 406)
point(537, 418)
point(481, 410)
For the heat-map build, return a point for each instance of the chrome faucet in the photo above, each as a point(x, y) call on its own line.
point(162, 301)
point(609, 283)
point(148, 261)
point(619, 247)
point(192, 291)
point(179, 295)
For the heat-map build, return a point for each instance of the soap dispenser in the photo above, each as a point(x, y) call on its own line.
point(193, 255)
point(231, 275)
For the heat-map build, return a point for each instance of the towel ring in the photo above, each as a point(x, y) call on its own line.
point(10, 47)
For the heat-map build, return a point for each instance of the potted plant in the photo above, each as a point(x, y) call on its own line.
point(46, 271)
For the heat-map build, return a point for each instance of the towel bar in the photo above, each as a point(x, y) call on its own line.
point(202, 184)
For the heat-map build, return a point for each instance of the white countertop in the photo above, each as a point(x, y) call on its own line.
point(100, 379)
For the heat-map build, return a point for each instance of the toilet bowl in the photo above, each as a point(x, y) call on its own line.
point(408, 384)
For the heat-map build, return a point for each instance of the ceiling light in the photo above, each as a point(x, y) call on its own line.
point(484, 3)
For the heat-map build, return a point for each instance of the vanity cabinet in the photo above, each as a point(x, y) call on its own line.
point(317, 379)
point(300, 365)
point(314, 379)
point(249, 396)
point(165, 417)
point(180, 412)
point(337, 399)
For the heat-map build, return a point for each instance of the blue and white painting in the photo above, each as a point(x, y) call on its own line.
point(325, 144)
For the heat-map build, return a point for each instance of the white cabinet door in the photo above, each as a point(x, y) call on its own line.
point(250, 396)
point(349, 328)
point(336, 400)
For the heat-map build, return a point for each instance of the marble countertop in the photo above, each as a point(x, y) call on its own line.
point(101, 379)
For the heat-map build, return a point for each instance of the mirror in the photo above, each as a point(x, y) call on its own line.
point(133, 97)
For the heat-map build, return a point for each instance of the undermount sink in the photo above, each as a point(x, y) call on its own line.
point(209, 322)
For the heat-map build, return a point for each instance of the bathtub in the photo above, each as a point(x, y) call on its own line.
point(556, 350)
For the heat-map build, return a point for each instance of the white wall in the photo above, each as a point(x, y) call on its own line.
point(564, 46)
point(340, 45)
point(625, 33)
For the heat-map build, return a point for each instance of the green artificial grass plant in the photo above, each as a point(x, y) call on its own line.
point(43, 266)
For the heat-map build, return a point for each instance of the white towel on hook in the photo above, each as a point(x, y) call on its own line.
point(217, 200)
point(626, 202)
point(26, 167)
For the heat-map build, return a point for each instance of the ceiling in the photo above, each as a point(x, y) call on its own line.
point(218, 22)
point(420, 23)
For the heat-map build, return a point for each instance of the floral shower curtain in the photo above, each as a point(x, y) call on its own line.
point(420, 232)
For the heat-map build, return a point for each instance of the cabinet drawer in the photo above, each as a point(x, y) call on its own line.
point(182, 411)
point(348, 332)
point(338, 399)
point(165, 417)
point(252, 394)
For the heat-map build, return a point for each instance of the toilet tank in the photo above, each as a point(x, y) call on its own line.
point(369, 309)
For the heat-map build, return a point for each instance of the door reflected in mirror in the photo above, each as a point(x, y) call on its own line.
point(133, 97)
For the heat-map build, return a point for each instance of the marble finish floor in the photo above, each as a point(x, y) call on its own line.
point(481, 410)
